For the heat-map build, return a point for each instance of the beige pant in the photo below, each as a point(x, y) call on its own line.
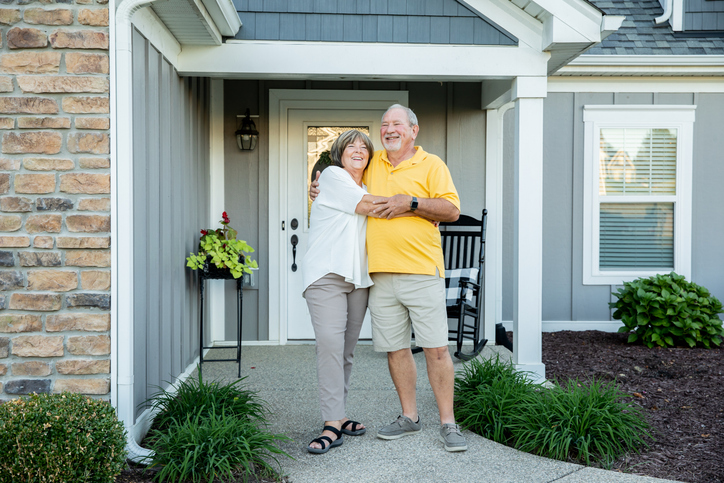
point(337, 310)
point(400, 302)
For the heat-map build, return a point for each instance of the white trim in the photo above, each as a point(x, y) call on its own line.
point(215, 289)
point(679, 60)
point(247, 59)
point(494, 203)
point(280, 102)
point(577, 325)
point(511, 18)
point(677, 15)
point(151, 27)
point(224, 15)
point(121, 103)
point(636, 84)
point(680, 117)
point(645, 65)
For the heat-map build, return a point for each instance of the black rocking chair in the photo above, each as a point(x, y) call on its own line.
point(463, 246)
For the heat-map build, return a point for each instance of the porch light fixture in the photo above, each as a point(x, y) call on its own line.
point(247, 136)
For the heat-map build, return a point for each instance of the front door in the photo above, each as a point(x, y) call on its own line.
point(310, 132)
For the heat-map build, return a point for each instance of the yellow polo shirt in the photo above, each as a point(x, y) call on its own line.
point(408, 244)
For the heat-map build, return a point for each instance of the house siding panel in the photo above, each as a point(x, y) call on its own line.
point(171, 170)
point(398, 21)
point(564, 295)
point(704, 15)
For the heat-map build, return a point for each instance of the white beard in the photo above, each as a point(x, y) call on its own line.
point(392, 145)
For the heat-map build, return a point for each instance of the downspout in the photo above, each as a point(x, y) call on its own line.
point(122, 219)
point(668, 9)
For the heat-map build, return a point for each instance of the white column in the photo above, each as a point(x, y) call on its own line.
point(494, 204)
point(528, 94)
point(215, 295)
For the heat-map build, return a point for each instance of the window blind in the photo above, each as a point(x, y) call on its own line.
point(636, 236)
point(637, 162)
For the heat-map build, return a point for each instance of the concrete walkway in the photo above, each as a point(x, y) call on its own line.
point(285, 377)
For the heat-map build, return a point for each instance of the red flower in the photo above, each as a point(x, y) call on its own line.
point(225, 217)
point(204, 232)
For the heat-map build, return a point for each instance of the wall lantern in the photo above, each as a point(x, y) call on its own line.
point(247, 136)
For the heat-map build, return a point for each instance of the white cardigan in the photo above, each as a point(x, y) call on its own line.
point(336, 233)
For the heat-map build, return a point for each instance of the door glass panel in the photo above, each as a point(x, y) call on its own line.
point(320, 139)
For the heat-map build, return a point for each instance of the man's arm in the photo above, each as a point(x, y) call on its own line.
point(437, 209)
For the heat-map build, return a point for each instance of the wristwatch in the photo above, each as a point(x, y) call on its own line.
point(413, 204)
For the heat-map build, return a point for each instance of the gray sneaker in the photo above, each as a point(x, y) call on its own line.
point(452, 438)
point(402, 426)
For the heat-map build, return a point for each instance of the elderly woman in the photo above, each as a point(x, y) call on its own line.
point(336, 280)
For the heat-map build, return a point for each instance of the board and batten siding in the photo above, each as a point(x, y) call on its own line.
point(396, 21)
point(704, 15)
point(170, 206)
point(452, 125)
point(565, 298)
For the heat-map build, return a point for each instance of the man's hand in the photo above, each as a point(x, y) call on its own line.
point(392, 207)
point(314, 188)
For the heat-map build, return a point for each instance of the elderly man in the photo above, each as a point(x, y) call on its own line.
point(407, 267)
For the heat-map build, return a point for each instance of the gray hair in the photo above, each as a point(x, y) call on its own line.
point(411, 117)
point(346, 138)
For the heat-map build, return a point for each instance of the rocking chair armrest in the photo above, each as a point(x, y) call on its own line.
point(467, 282)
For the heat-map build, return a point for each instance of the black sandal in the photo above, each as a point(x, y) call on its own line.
point(354, 431)
point(326, 440)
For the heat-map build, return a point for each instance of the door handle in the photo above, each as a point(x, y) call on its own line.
point(294, 241)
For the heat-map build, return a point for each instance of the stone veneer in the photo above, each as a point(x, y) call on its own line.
point(54, 197)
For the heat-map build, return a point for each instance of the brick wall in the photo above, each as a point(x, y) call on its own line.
point(54, 197)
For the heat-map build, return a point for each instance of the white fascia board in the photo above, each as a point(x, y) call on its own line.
point(224, 15)
point(645, 65)
point(680, 60)
point(527, 29)
point(151, 27)
point(636, 84)
point(243, 59)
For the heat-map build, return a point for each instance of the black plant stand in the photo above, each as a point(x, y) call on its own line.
point(210, 272)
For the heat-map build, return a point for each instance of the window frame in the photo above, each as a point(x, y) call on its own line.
point(596, 117)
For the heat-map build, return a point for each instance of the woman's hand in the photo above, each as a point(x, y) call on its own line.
point(314, 187)
point(392, 207)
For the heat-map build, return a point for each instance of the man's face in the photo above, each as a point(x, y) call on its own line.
point(396, 133)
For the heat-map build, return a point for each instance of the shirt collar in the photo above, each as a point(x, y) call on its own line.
point(419, 155)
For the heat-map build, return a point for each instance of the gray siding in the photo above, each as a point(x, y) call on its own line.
point(704, 15)
point(170, 205)
point(452, 126)
point(564, 295)
point(398, 21)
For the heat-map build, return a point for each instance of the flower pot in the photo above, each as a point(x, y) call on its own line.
point(213, 272)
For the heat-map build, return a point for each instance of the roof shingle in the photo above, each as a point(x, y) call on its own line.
point(639, 35)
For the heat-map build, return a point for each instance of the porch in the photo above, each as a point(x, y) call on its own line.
point(293, 400)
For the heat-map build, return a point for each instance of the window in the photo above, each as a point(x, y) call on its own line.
point(637, 192)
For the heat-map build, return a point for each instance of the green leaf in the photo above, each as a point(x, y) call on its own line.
point(633, 337)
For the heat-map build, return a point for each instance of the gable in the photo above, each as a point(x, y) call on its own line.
point(387, 21)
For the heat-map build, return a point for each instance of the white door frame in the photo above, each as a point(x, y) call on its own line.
point(280, 102)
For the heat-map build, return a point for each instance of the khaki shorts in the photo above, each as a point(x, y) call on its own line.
point(400, 303)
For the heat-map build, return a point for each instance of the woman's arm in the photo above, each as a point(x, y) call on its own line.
point(367, 206)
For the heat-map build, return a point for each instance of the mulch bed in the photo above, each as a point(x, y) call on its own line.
point(681, 390)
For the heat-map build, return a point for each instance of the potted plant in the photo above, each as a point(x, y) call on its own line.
point(220, 251)
point(324, 161)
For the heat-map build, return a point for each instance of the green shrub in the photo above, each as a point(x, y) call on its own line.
point(60, 438)
point(214, 446)
point(666, 310)
point(208, 431)
point(193, 396)
point(581, 422)
point(488, 395)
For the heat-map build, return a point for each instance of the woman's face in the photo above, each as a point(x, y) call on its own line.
point(355, 156)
